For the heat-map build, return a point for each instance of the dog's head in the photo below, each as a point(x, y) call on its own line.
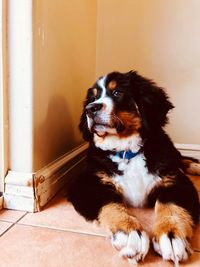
point(123, 104)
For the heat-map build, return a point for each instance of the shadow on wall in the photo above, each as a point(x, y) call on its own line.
point(55, 135)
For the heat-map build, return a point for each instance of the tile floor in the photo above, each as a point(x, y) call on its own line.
point(59, 237)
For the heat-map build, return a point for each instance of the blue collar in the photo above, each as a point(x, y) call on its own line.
point(126, 154)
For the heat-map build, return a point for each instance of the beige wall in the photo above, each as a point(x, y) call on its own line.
point(160, 39)
point(64, 66)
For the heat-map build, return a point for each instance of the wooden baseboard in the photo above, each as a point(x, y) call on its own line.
point(32, 191)
point(47, 186)
point(1, 202)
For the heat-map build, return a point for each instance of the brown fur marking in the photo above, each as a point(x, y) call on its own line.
point(95, 91)
point(131, 122)
point(115, 217)
point(168, 180)
point(171, 218)
point(112, 85)
point(105, 179)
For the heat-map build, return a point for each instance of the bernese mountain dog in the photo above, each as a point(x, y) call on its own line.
point(131, 162)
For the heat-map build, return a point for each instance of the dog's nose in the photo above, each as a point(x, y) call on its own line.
point(92, 109)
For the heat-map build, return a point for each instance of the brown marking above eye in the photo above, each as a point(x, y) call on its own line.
point(112, 85)
point(95, 92)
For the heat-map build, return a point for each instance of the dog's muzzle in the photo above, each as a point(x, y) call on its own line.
point(98, 121)
point(92, 109)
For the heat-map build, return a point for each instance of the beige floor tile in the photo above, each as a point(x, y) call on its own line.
point(28, 246)
point(11, 215)
point(60, 214)
point(4, 226)
point(146, 218)
point(194, 261)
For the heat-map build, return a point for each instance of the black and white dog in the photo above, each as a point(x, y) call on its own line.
point(131, 161)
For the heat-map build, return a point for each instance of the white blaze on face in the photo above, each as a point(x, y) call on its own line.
point(104, 115)
point(105, 100)
point(101, 84)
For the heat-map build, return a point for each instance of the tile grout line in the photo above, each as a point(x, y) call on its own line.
point(9, 221)
point(17, 222)
point(12, 224)
point(3, 220)
point(56, 229)
point(63, 230)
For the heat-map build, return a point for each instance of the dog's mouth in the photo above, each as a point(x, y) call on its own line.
point(102, 129)
point(123, 124)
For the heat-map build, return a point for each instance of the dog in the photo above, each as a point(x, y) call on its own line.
point(132, 162)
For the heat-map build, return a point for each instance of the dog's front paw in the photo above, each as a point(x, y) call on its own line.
point(132, 246)
point(172, 248)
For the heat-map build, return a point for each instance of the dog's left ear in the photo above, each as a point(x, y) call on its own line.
point(155, 105)
point(153, 102)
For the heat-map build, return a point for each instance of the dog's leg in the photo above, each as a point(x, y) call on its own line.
point(98, 199)
point(176, 213)
point(172, 231)
point(127, 234)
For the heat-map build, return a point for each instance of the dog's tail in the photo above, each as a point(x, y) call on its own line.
point(190, 165)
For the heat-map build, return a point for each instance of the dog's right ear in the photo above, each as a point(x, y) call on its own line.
point(83, 126)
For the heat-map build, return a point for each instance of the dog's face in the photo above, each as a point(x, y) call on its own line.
point(111, 108)
point(123, 104)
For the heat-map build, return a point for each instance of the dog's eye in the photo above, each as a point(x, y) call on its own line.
point(117, 93)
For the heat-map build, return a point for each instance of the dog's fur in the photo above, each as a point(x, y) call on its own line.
point(125, 113)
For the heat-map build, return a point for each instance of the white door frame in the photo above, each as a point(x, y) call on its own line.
point(3, 96)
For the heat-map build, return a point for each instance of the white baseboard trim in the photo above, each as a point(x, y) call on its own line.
point(32, 191)
point(19, 191)
point(17, 202)
point(189, 150)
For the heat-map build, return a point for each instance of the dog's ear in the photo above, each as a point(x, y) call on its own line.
point(154, 108)
point(153, 102)
point(83, 126)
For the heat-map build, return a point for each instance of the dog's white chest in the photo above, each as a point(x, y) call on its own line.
point(136, 182)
